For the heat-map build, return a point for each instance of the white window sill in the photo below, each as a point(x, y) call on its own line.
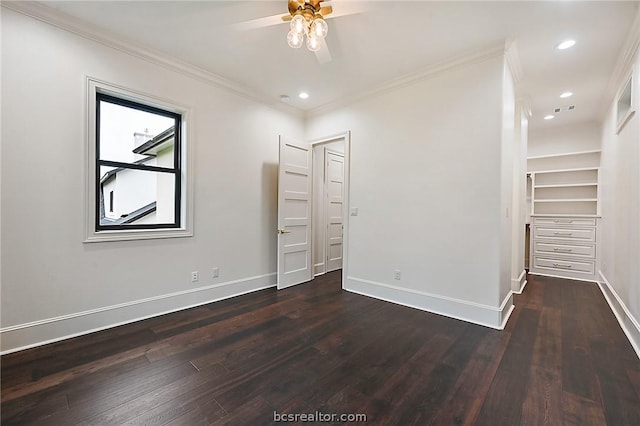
point(147, 234)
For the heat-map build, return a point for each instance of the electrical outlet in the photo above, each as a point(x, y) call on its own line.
point(195, 276)
point(215, 272)
point(396, 274)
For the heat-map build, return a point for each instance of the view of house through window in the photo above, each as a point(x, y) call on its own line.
point(137, 165)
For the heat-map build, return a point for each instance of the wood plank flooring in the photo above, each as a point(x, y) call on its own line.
point(562, 359)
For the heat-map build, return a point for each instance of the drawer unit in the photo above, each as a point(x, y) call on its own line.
point(578, 234)
point(564, 246)
point(560, 221)
point(563, 266)
point(552, 248)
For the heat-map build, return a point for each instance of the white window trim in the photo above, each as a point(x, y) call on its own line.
point(94, 85)
point(621, 121)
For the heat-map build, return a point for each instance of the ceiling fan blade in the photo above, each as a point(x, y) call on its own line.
point(267, 21)
point(344, 8)
point(323, 55)
point(324, 11)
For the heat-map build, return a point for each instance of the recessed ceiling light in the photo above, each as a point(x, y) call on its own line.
point(566, 44)
point(566, 95)
point(549, 117)
point(303, 95)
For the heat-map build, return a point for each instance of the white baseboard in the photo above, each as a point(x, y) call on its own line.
point(319, 269)
point(629, 324)
point(24, 336)
point(518, 284)
point(488, 316)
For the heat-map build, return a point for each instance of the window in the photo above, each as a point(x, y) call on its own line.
point(624, 106)
point(136, 167)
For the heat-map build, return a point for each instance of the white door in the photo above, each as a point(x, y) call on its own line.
point(334, 175)
point(294, 213)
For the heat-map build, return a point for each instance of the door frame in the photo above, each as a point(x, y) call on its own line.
point(327, 238)
point(345, 201)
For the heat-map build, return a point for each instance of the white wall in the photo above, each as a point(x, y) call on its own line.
point(554, 140)
point(518, 275)
point(426, 178)
point(54, 285)
point(428, 174)
point(507, 164)
point(620, 223)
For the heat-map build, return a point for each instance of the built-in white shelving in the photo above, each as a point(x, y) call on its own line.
point(565, 191)
point(557, 161)
point(563, 196)
point(565, 215)
point(564, 154)
point(566, 200)
point(565, 184)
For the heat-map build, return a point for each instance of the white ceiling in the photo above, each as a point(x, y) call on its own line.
point(387, 40)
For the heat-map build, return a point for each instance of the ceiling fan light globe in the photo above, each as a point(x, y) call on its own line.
point(313, 43)
point(298, 24)
point(319, 27)
point(295, 39)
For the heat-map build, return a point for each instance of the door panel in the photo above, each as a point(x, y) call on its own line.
point(334, 175)
point(294, 213)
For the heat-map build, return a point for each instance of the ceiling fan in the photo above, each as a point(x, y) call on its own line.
point(307, 18)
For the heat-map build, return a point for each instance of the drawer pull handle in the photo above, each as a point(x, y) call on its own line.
point(563, 233)
point(557, 265)
point(562, 221)
point(562, 250)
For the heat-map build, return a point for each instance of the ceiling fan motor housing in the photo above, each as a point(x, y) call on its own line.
point(305, 7)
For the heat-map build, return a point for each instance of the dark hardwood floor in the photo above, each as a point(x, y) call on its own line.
point(562, 359)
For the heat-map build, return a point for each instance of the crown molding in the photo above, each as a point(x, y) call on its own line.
point(63, 21)
point(460, 61)
point(525, 105)
point(513, 60)
point(627, 56)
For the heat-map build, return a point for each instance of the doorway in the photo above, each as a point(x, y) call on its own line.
point(307, 239)
point(328, 206)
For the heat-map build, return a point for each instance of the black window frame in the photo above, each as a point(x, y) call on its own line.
point(176, 170)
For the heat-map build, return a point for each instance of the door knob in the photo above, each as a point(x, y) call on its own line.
point(283, 231)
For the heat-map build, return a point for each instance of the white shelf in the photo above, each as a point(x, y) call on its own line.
point(563, 215)
point(580, 169)
point(565, 200)
point(568, 208)
point(566, 177)
point(566, 154)
point(573, 160)
point(567, 185)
